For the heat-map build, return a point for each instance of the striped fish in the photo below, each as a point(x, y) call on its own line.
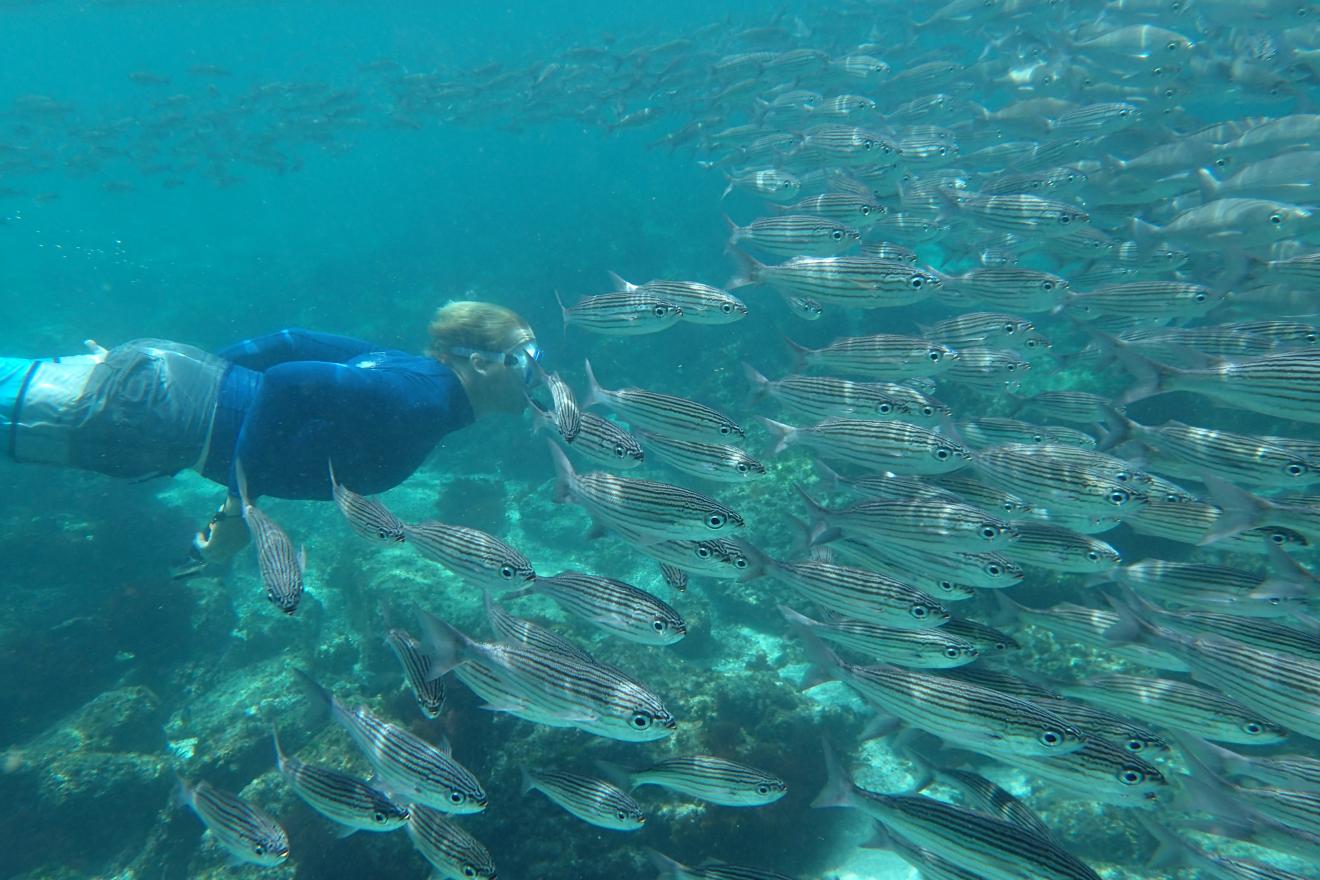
point(988, 640)
point(878, 356)
point(995, 431)
point(337, 796)
point(366, 516)
point(281, 568)
point(875, 558)
point(1284, 334)
point(895, 446)
point(1263, 633)
point(701, 303)
point(1058, 484)
point(592, 800)
point(851, 209)
point(793, 235)
point(480, 559)
point(664, 413)
point(718, 558)
point(451, 851)
point(1179, 705)
point(516, 630)
point(919, 648)
point(672, 870)
point(598, 440)
point(987, 330)
point(1188, 522)
point(642, 509)
point(1294, 771)
point(890, 251)
point(1220, 341)
point(993, 800)
point(568, 418)
point(1014, 288)
point(988, 846)
point(988, 370)
point(1019, 213)
point(1102, 772)
point(1286, 385)
point(856, 282)
point(1101, 724)
point(1090, 627)
point(1077, 407)
point(621, 314)
point(976, 717)
point(928, 865)
point(713, 461)
point(767, 183)
point(1156, 299)
point(1041, 545)
point(1200, 585)
point(1095, 120)
point(928, 523)
point(614, 607)
point(1185, 450)
point(708, 778)
point(249, 834)
point(428, 691)
point(992, 571)
point(676, 578)
point(549, 687)
point(804, 307)
point(822, 397)
point(1283, 688)
point(1051, 182)
point(860, 594)
point(848, 144)
point(407, 767)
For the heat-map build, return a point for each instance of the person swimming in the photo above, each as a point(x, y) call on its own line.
point(283, 405)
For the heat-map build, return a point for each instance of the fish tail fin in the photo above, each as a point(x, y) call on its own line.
point(281, 759)
point(669, 869)
point(447, 646)
point(1241, 509)
point(595, 394)
point(749, 271)
point(1208, 184)
point(1006, 612)
point(829, 477)
point(182, 792)
point(1146, 235)
point(800, 353)
point(1152, 377)
point(334, 483)
point(735, 233)
point(783, 434)
point(240, 477)
point(802, 535)
point(1171, 851)
point(622, 285)
point(758, 385)
point(527, 783)
point(838, 790)
point(1118, 428)
point(563, 311)
point(564, 474)
point(824, 662)
point(323, 700)
point(728, 188)
point(617, 774)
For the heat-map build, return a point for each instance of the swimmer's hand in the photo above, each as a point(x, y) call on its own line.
point(217, 542)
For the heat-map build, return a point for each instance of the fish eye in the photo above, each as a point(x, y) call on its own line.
point(916, 283)
point(457, 797)
point(989, 532)
point(837, 235)
point(884, 409)
point(928, 411)
point(716, 520)
point(658, 625)
point(726, 308)
point(935, 357)
point(619, 450)
point(941, 453)
point(1311, 338)
point(378, 817)
point(1051, 738)
point(1135, 745)
point(866, 210)
point(507, 572)
point(725, 430)
point(946, 586)
point(1254, 728)
point(952, 652)
point(469, 871)
point(1092, 555)
point(868, 144)
point(1276, 219)
point(1171, 45)
point(740, 562)
point(919, 612)
point(641, 721)
point(1200, 297)
point(1065, 218)
point(1031, 343)
point(703, 553)
point(993, 569)
point(741, 467)
point(1278, 538)
point(763, 789)
point(1119, 497)
point(1296, 469)
point(1009, 328)
point(259, 849)
point(1131, 776)
point(620, 815)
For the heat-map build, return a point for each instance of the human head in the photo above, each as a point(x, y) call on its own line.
point(485, 345)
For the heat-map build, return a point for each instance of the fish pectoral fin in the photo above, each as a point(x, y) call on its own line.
point(511, 706)
point(342, 831)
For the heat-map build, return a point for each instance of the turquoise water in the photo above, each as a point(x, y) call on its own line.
point(209, 172)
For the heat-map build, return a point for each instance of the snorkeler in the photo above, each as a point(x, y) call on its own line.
point(283, 405)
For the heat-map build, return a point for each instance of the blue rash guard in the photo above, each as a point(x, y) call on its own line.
point(295, 400)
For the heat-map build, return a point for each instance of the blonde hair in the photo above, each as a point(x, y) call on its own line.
point(477, 325)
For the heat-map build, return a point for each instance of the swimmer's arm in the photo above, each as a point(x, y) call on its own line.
point(295, 344)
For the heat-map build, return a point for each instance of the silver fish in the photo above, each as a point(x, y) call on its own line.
point(622, 314)
point(455, 854)
point(428, 691)
point(478, 558)
point(614, 607)
point(368, 517)
point(701, 303)
point(340, 797)
point(919, 648)
point(664, 413)
point(879, 445)
point(592, 800)
point(713, 461)
point(568, 418)
point(281, 568)
point(249, 834)
point(711, 779)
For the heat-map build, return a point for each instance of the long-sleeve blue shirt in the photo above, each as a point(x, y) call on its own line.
point(295, 400)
